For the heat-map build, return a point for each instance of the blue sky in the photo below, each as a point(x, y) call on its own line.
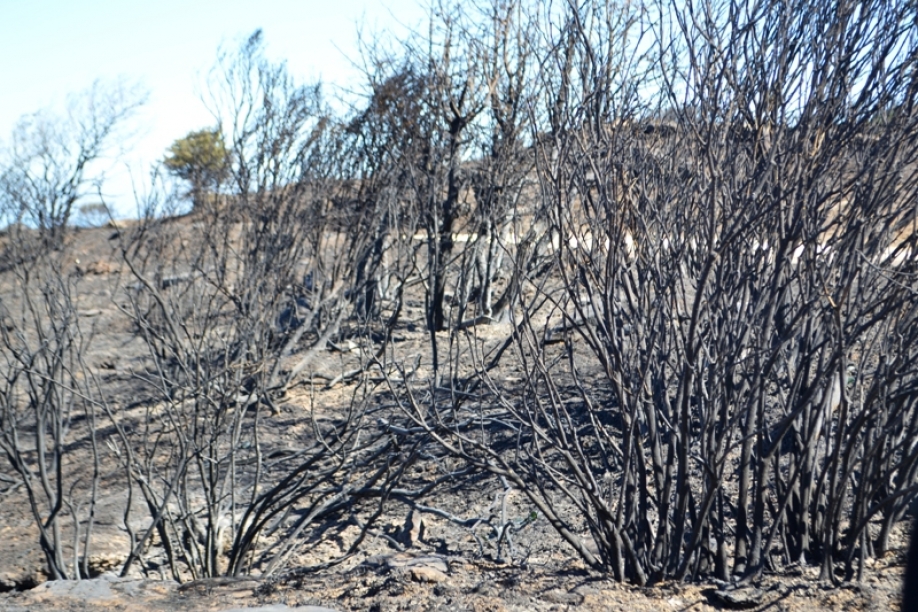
point(52, 48)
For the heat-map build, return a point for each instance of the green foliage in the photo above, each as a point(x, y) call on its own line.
point(200, 158)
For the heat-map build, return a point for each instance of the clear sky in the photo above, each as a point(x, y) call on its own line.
point(52, 48)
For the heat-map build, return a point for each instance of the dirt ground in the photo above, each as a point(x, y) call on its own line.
point(436, 583)
point(443, 566)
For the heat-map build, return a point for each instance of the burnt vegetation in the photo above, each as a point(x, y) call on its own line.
point(664, 256)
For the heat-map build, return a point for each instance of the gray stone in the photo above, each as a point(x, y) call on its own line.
point(402, 561)
point(136, 588)
point(566, 598)
point(84, 590)
point(107, 587)
point(426, 574)
point(740, 598)
point(280, 608)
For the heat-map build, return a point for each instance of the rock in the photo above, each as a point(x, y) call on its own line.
point(97, 591)
point(741, 598)
point(422, 568)
point(280, 608)
point(112, 592)
point(226, 584)
point(564, 597)
point(135, 589)
point(108, 561)
point(426, 574)
point(83, 590)
point(407, 561)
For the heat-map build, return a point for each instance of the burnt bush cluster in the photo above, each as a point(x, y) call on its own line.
point(692, 226)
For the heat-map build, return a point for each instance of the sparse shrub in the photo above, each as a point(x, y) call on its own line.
point(95, 214)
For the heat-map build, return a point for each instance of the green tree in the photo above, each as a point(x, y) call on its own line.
point(201, 159)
